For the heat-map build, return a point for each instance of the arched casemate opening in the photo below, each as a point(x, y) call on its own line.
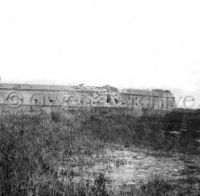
point(37, 99)
point(14, 99)
point(51, 100)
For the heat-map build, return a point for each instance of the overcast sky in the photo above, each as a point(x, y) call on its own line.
point(124, 43)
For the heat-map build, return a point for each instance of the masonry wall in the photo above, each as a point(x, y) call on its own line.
point(26, 97)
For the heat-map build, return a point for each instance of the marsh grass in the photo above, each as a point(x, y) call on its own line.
point(33, 147)
point(155, 132)
point(157, 186)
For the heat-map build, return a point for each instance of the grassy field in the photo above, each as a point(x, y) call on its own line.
point(33, 148)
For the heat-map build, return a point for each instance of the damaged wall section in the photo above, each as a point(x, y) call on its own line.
point(15, 96)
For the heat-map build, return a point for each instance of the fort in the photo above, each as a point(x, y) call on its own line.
point(30, 97)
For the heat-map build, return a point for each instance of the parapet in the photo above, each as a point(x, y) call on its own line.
point(31, 96)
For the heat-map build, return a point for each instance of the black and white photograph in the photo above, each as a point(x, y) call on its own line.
point(99, 98)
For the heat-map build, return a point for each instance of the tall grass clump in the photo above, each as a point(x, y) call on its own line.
point(175, 131)
point(157, 186)
point(33, 147)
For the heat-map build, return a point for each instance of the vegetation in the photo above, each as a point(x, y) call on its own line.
point(175, 131)
point(34, 147)
point(160, 187)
